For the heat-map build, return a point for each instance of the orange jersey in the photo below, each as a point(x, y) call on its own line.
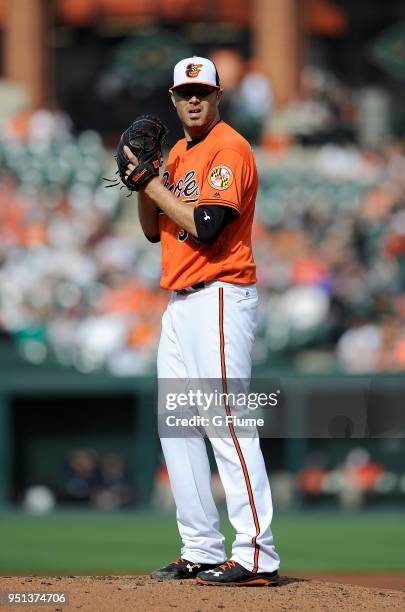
point(219, 170)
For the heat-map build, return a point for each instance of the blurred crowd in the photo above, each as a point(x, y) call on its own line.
point(357, 480)
point(74, 284)
point(80, 284)
point(99, 481)
point(87, 479)
point(91, 479)
point(330, 249)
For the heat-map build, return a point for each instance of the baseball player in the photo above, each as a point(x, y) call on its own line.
point(201, 210)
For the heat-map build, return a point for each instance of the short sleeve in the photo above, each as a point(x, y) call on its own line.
point(225, 180)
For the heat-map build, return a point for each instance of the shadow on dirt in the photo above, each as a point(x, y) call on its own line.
point(284, 580)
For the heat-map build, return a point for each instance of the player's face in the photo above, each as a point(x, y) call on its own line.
point(197, 106)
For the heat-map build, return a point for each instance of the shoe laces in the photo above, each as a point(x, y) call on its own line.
point(178, 561)
point(227, 565)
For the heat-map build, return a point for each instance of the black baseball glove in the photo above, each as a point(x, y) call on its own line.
point(145, 137)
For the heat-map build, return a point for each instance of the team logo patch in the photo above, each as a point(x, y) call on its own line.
point(193, 70)
point(220, 177)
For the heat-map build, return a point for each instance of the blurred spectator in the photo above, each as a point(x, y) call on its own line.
point(323, 113)
point(81, 476)
point(247, 101)
point(43, 125)
point(361, 476)
point(113, 490)
point(253, 103)
point(359, 347)
point(229, 64)
point(100, 482)
point(310, 477)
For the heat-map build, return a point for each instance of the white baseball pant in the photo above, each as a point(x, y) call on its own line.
point(209, 334)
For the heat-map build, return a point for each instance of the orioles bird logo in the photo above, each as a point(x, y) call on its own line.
point(193, 70)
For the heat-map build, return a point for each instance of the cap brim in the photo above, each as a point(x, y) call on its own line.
point(194, 83)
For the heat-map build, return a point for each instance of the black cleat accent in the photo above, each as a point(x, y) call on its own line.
point(181, 569)
point(232, 573)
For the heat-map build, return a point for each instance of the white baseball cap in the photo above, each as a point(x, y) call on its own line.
point(193, 70)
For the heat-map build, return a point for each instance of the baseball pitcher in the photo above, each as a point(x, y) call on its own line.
point(201, 210)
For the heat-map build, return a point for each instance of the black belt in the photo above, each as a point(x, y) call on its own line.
point(196, 287)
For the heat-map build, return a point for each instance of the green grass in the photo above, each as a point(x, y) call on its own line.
point(100, 543)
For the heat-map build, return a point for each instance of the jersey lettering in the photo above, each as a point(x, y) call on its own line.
point(187, 187)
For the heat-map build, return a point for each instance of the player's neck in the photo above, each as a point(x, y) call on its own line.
point(199, 132)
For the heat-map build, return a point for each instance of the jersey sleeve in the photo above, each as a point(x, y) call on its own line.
point(225, 180)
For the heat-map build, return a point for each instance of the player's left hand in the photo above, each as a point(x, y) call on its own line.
point(139, 152)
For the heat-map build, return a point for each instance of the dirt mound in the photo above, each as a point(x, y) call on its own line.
point(124, 593)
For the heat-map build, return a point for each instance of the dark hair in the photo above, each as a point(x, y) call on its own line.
point(218, 82)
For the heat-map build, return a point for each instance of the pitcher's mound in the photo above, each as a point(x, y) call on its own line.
point(123, 593)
